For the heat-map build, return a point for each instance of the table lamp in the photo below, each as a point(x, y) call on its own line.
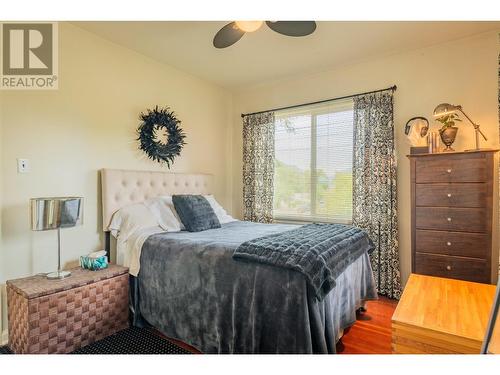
point(56, 213)
point(444, 109)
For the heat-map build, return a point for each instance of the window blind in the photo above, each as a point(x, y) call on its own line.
point(313, 163)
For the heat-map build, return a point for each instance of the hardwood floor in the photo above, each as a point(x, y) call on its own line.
point(371, 334)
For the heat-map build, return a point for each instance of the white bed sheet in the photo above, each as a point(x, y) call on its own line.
point(128, 252)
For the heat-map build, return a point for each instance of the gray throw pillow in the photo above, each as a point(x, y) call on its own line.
point(195, 212)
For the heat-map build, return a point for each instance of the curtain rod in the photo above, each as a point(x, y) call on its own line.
point(393, 88)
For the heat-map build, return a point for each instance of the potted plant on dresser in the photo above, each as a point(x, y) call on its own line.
point(448, 131)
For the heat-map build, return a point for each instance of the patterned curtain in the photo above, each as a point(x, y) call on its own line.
point(258, 167)
point(374, 186)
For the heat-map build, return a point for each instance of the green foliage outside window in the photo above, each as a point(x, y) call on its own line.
point(292, 193)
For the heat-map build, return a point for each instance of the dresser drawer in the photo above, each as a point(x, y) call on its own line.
point(451, 219)
point(473, 245)
point(451, 195)
point(460, 169)
point(452, 267)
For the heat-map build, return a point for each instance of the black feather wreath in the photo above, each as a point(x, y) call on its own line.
point(154, 121)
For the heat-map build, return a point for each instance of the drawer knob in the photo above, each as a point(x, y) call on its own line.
point(448, 268)
point(448, 170)
point(449, 219)
point(448, 195)
point(448, 243)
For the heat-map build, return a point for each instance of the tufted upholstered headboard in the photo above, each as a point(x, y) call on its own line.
point(123, 187)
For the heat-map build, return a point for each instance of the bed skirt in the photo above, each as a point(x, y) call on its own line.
point(293, 322)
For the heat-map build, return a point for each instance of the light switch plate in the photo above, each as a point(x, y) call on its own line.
point(23, 165)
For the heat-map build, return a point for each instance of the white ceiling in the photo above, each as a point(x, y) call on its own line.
point(265, 55)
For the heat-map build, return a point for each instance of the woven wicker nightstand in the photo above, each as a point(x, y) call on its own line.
point(59, 316)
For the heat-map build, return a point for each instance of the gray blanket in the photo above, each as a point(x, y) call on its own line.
point(320, 252)
point(190, 288)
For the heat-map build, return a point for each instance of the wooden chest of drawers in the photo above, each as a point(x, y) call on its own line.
point(452, 211)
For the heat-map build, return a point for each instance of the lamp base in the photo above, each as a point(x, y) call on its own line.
point(58, 275)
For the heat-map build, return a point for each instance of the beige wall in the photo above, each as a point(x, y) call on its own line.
point(3, 297)
point(88, 124)
point(462, 72)
point(1, 191)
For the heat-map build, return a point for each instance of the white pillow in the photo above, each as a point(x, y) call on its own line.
point(131, 218)
point(220, 212)
point(168, 219)
point(163, 209)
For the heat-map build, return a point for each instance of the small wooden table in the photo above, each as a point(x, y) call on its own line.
point(441, 316)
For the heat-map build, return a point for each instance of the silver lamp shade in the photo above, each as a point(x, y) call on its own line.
point(56, 213)
point(444, 109)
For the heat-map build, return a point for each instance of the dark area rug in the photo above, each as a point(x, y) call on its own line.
point(129, 341)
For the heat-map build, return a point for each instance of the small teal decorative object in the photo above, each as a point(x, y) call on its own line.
point(94, 264)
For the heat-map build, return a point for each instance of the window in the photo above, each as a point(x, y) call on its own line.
point(313, 163)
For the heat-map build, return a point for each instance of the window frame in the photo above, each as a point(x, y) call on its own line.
point(314, 217)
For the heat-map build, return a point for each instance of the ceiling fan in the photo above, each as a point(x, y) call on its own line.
point(233, 31)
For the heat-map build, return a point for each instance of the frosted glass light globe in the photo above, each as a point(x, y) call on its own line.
point(249, 26)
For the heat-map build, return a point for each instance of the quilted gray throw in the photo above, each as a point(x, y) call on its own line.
point(320, 252)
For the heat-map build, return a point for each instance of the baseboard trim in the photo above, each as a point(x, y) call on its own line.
point(4, 338)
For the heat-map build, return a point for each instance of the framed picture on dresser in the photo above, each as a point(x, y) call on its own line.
point(452, 215)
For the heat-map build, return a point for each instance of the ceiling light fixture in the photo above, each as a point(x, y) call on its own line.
point(249, 26)
point(233, 31)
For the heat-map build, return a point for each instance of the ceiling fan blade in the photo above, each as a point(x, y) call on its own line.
point(227, 36)
point(292, 28)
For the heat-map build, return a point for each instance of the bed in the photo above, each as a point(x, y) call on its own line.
point(190, 287)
